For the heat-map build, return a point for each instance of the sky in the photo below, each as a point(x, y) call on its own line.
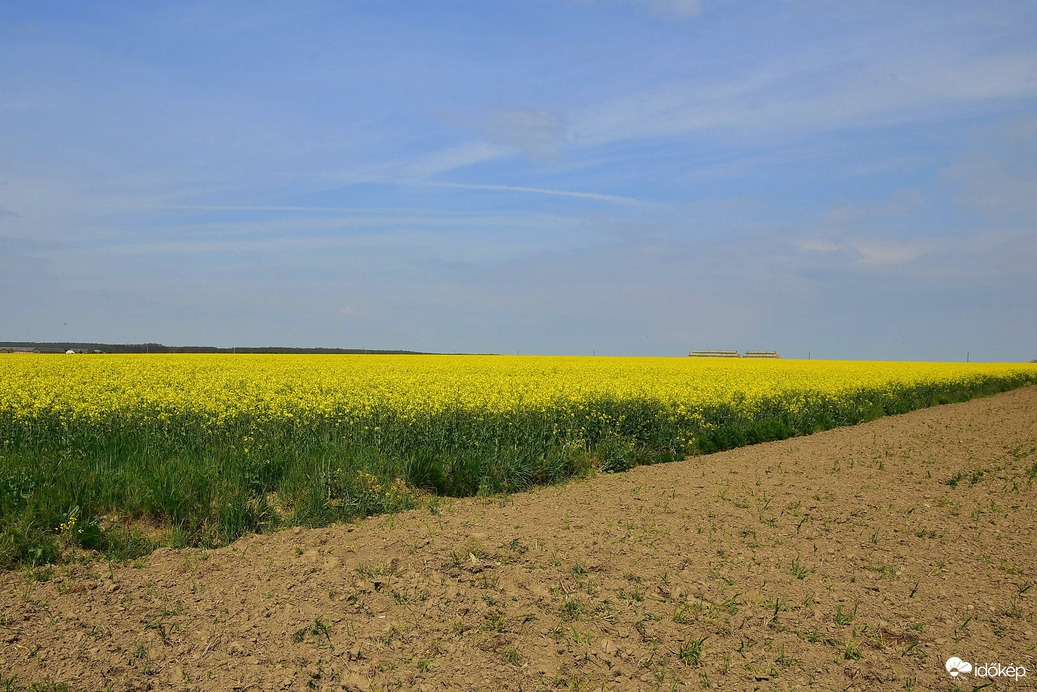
point(825, 178)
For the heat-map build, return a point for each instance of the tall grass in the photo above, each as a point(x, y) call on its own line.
point(125, 477)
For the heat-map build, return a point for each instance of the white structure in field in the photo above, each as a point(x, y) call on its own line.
point(733, 354)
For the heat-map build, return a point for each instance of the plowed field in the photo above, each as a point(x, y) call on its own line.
point(860, 558)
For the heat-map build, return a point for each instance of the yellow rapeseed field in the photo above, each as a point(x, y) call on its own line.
point(214, 446)
point(218, 388)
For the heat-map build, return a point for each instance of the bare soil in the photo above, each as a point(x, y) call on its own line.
point(856, 559)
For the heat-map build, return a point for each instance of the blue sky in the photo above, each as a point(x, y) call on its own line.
point(620, 177)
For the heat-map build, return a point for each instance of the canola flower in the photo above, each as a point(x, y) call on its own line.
point(399, 402)
point(219, 445)
point(202, 395)
point(214, 390)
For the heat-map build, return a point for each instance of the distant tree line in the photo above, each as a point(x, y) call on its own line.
point(161, 348)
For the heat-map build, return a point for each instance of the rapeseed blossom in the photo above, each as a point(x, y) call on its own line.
point(216, 446)
point(210, 393)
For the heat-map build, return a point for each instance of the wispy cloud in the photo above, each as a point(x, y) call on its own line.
point(771, 100)
point(531, 190)
point(253, 207)
point(446, 237)
point(679, 9)
point(897, 209)
point(452, 158)
point(675, 8)
point(879, 253)
point(864, 232)
point(1000, 178)
point(536, 132)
